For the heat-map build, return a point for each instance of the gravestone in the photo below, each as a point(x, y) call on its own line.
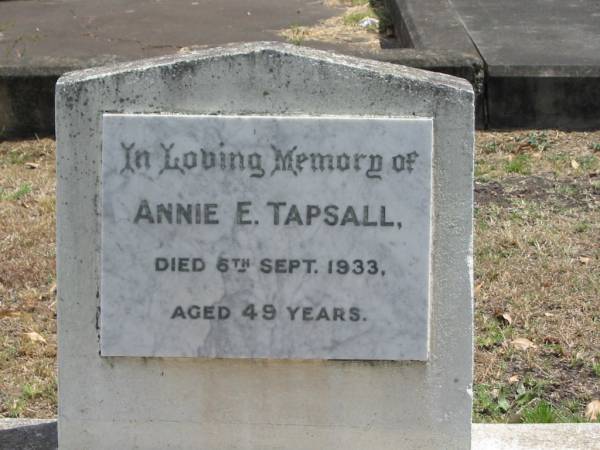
point(264, 246)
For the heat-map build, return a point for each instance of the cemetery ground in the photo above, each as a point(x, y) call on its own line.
point(537, 277)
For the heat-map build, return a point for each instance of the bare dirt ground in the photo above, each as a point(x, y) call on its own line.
point(537, 267)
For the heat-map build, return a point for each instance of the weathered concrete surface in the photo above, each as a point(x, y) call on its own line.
point(41, 40)
point(534, 37)
point(542, 59)
point(135, 29)
point(26, 105)
point(27, 435)
point(434, 26)
point(430, 24)
point(542, 56)
point(564, 102)
point(211, 403)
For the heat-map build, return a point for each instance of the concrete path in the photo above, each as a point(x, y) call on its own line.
point(32, 434)
point(534, 37)
point(33, 32)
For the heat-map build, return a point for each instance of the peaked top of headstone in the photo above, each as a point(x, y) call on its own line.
point(393, 71)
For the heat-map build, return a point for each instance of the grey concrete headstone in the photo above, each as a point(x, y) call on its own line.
point(389, 362)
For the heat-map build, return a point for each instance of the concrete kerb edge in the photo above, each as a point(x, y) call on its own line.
point(358, 63)
point(418, 24)
point(27, 91)
point(40, 434)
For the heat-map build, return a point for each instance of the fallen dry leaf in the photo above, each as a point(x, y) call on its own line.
point(35, 337)
point(478, 288)
point(513, 379)
point(51, 292)
point(584, 259)
point(505, 317)
point(574, 164)
point(9, 313)
point(592, 410)
point(522, 344)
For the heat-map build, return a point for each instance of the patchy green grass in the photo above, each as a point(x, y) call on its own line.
point(538, 140)
point(522, 402)
point(537, 266)
point(353, 18)
point(542, 412)
point(17, 194)
point(519, 164)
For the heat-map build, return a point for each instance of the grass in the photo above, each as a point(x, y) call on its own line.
point(17, 194)
point(354, 17)
point(27, 299)
point(541, 413)
point(345, 26)
point(537, 261)
point(537, 282)
point(519, 164)
point(297, 34)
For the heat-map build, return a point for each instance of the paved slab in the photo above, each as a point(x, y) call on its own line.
point(38, 434)
point(542, 57)
point(535, 37)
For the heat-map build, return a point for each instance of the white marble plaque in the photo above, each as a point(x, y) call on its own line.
point(266, 237)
